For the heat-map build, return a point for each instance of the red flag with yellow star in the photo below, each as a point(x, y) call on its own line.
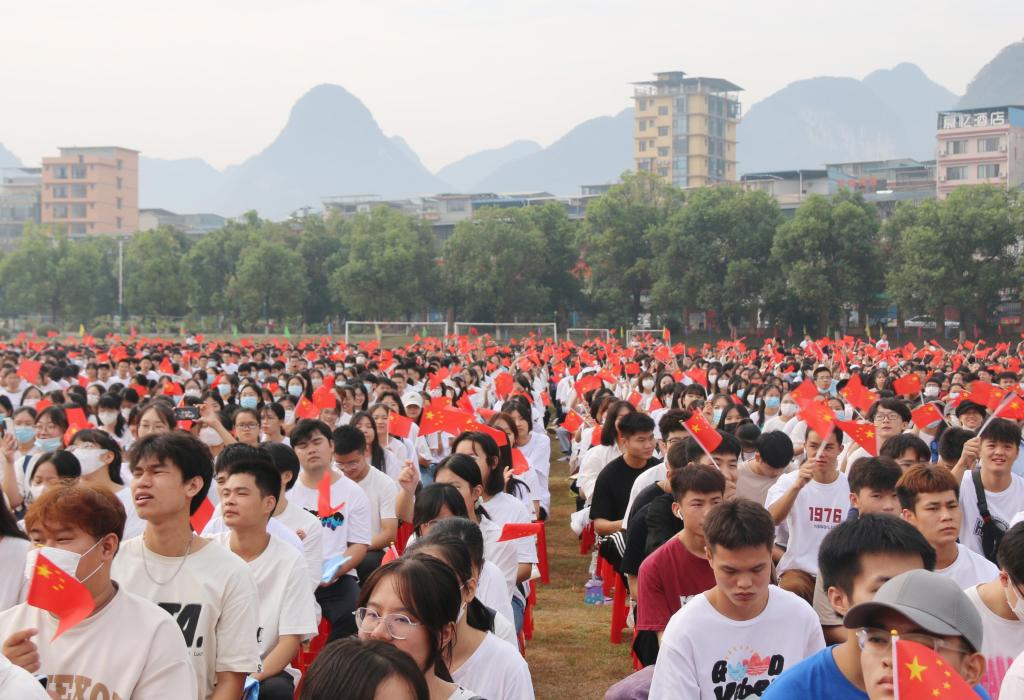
point(861, 433)
point(819, 418)
point(706, 436)
point(59, 593)
point(921, 674)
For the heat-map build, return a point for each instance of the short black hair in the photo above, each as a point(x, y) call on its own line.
point(284, 459)
point(889, 404)
point(635, 423)
point(348, 439)
point(698, 478)
point(305, 430)
point(775, 448)
point(264, 473)
point(187, 453)
point(841, 552)
point(875, 473)
point(237, 452)
point(1003, 431)
point(951, 443)
point(738, 524)
point(835, 431)
point(1010, 555)
point(678, 456)
point(671, 421)
point(898, 444)
point(730, 445)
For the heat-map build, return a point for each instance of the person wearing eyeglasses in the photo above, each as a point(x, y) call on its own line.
point(922, 607)
point(396, 607)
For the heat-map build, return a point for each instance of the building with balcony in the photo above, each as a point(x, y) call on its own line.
point(20, 192)
point(790, 187)
point(980, 146)
point(93, 190)
point(685, 129)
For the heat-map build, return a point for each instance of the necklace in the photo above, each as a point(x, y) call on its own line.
point(177, 571)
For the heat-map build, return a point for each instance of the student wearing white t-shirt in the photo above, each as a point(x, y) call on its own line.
point(413, 603)
point(736, 638)
point(928, 500)
point(479, 659)
point(809, 502)
point(14, 547)
point(380, 490)
point(287, 605)
point(304, 524)
point(208, 590)
point(1004, 490)
point(1000, 603)
point(127, 647)
point(344, 521)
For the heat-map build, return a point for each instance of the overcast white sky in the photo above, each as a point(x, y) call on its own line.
point(216, 78)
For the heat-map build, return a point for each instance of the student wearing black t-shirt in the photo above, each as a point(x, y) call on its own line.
point(611, 492)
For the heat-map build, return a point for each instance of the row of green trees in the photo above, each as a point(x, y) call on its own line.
point(644, 247)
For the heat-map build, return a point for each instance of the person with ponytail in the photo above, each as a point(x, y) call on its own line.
point(478, 658)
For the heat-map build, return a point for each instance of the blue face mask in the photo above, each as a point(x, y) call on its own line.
point(295, 390)
point(24, 433)
point(248, 402)
point(841, 414)
point(49, 444)
point(717, 417)
point(772, 402)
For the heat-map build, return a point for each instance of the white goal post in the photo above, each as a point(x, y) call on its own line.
point(504, 331)
point(582, 335)
point(393, 333)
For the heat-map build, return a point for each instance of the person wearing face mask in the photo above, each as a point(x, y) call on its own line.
point(110, 420)
point(1000, 603)
point(19, 449)
point(127, 647)
point(51, 469)
point(92, 396)
point(210, 429)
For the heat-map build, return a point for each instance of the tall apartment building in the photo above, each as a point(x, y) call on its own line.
point(92, 190)
point(685, 129)
point(980, 146)
point(19, 202)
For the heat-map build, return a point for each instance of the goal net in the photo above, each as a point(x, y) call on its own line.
point(504, 331)
point(393, 333)
point(582, 335)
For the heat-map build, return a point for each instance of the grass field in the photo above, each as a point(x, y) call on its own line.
point(570, 655)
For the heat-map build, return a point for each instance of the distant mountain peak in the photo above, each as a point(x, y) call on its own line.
point(8, 159)
point(999, 81)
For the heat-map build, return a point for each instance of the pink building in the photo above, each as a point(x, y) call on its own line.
point(980, 146)
point(92, 190)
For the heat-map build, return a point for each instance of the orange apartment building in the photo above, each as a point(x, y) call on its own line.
point(93, 190)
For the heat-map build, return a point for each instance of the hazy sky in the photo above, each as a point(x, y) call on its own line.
point(216, 78)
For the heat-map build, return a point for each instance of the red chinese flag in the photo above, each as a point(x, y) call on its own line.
point(515, 531)
point(29, 370)
point(988, 395)
point(142, 391)
point(588, 383)
point(466, 403)
point(655, 405)
point(1012, 407)
point(706, 436)
point(572, 422)
point(456, 421)
point(595, 436)
point(698, 376)
point(59, 593)
point(503, 384)
point(923, 416)
point(76, 419)
point(857, 394)
point(390, 554)
point(306, 409)
point(632, 368)
point(399, 425)
point(166, 367)
point(202, 514)
point(519, 463)
point(500, 436)
point(921, 674)
point(173, 389)
point(43, 405)
point(819, 418)
point(635, 398)
point(909, 385)
point(324, 509)
point(861, 433)
point(807, 391)
point(324, 397)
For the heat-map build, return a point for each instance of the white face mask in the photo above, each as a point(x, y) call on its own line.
point(90, 459)
point(107, 417)
point(648, 384)
point(210, 437)
point(1018, 607)
point(92, 399)
point(65, 559)
point(125, 412)
point(193, 393)
point(787, 409)
point(36, 490)
point(289, 416)
point(931, 391)
point(31, 403)
point(317, 383)
point(723, 383)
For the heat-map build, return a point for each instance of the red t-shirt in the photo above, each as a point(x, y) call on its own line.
point(668, 578)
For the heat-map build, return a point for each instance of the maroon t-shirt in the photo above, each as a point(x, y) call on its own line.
point(668, 578)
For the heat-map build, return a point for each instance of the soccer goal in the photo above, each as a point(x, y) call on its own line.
point(393, 333)
point(582, 335)
point(502, 332)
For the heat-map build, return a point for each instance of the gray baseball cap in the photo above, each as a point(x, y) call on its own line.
point(931, 601)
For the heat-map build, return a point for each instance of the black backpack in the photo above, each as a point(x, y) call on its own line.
point(992, 530)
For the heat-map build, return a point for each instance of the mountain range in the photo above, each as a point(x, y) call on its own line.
point(331, 144)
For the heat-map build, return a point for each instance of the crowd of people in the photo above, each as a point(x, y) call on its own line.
point(782, 518)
